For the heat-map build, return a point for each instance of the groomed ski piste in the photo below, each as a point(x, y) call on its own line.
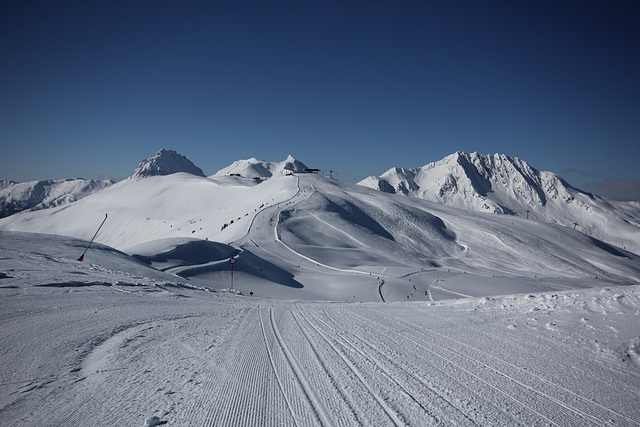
point(349, 307)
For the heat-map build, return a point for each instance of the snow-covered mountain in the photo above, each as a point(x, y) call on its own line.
point(501, 327)
point(508, 185)
point(165, 162)
point(291, 229)
point(256, 168)
point(33, 195)
point(20, 196)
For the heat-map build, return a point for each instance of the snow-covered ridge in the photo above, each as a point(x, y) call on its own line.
point(328, 225)
point(17, 197)
point(492, 183)
point(256, 168)
point(504, 184)
point(165, 162)
point(33, 195)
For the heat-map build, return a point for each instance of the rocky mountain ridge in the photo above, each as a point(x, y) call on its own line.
point(33, 195)
point(502, 184)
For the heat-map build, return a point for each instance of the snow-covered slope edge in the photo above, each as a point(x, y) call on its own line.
point(52, 263)
point(507, 185)
point(33, 195)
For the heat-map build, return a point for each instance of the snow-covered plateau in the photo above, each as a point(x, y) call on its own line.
point(349, 306)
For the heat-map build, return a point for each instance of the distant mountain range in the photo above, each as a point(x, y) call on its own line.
point(503, 184)
point(494, 184)
point(33, 195)
point(282, 222)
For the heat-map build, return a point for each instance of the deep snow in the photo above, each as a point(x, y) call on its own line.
point(259, 169)
point(165, 162)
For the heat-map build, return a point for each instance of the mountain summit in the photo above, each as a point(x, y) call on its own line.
point(494, 183)
point(165, 162)
point(256, 168)
point(502, 184)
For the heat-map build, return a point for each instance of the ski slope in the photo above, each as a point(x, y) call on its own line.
point(349, 307)
point(310, 237)
point(111, 341)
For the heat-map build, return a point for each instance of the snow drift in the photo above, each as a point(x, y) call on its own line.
point(112, 341)
point(147, 333)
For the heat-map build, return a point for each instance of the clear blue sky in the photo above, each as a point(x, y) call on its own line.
point(90, 88)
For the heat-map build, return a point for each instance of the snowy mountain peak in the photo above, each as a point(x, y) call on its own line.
point(34, 195)
point(256, 168)
point(502, 184)
point(165, 162)
point(491, 183)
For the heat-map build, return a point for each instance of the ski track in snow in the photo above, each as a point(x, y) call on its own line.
point(544, 386)
point(471, 365)
point(315, 402)
point(287, 363)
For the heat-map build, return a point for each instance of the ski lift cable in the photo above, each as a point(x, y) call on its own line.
point(350, 175)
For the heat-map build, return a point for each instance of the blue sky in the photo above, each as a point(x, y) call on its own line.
point(89, 89)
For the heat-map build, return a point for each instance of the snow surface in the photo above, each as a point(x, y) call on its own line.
point(348, 306)
point(112, 341)
point(508, 185)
